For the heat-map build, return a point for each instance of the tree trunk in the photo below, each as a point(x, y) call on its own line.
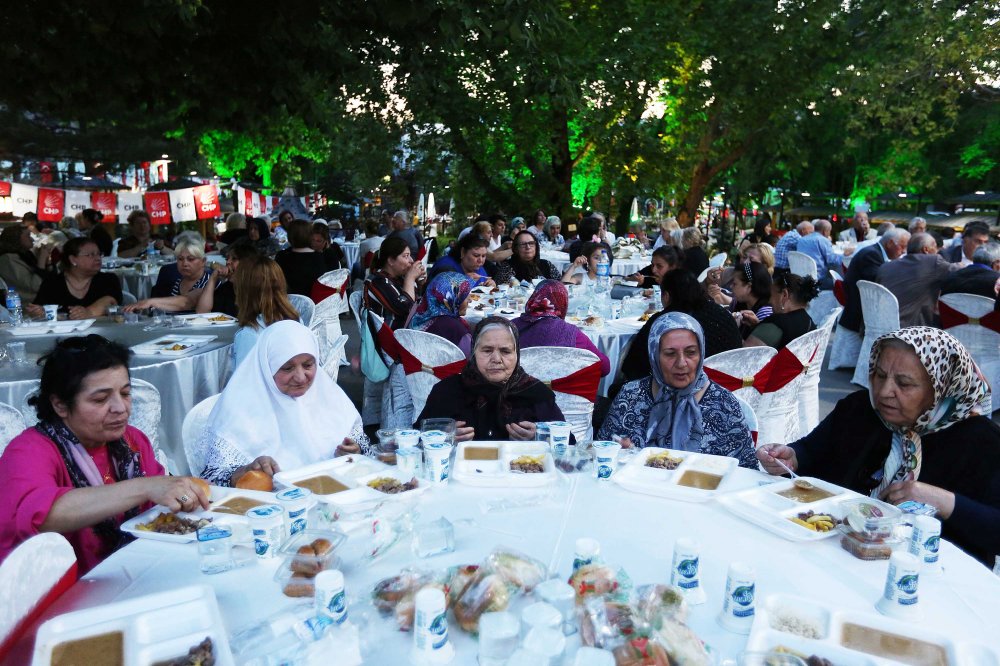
point(561, 191)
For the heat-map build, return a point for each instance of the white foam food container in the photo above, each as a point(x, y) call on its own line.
point(155, 627)
point(39, 328)
point(637, 477)
point(497, 473)
point(163, 345)
point(770, 631)
point(221, 496)
point(212, 319)
point(132, 526)
point(764, 507)
point(348, 470)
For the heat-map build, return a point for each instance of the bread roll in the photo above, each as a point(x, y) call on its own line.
point(299, 586)
point(255, 480)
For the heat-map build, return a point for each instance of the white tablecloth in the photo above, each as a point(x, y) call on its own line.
point(135, 282)
point(635, 532)
point(623, 267)
point(350, 249)
point(182, 381)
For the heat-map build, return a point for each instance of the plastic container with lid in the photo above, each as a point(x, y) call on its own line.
point(296, 501)
point(871, 519)
point(267, 525)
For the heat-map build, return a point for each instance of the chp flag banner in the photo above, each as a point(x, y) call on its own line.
point(182, 205)
point(4, 188)
point(158, 207)
point(128, 202)
point(24, 199)
point(206, 200)
point(106, 204)
point(77, 201)
point(51, 204)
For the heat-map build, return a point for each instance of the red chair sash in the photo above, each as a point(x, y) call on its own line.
point(774, 376)
point(582, 383)
point(411, 364)
point(839, 292)
point(320, 291)
point(64, 583)
point(950, 317)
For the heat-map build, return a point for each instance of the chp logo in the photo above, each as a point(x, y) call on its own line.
point(52, 204)
point(158, 207)
point(206, 202)
point(106, 202)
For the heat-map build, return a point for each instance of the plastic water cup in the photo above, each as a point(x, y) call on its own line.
point(406, 438)
point(547, 643)
point(925, 541)
point(445, 425)
point(605, 459)
point(540, 614)
point(430, 629)
point(899, 596)
point(296, 502)
point(498, 638)
point(387, 446)
point(267, 525)
point(437, 461)
point(331, 600)
point(215, 548)
point(585, 552)
point(131, 317)
point(434, 538)
point(408, 461)
point(559, 432)
point(740, 603)
point(16, 352)
point(685, 570)
point(561, 595)
point(51, 312)
point(542, 431)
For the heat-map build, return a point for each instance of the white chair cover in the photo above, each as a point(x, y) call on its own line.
point(114, 247)
point(809, 389)
point(28, 574)
point(337, 357)
point(334, 280)
point(743, 362)
point(433, 351)
point(325, 323)
point(371, 403)
point(194, 423)
point(837, 277)
point(820, 307)
point(802, 264)
point(845, 350)
point(11, 424)
point(717, 260)
point(982, 343)
point(427, 254)
point(304, 306)
point(750, 417)
point(548, 363)
point(881, 312)
point(128, 298)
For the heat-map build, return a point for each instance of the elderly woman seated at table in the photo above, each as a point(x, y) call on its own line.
point(140, 236)
point(279, 408)
point(187, 288)
point(81, 289)
point(543, 323)
point(261, 300)
point(259, 233)
point(553, 225)
point(679, 407)
point(493, 398)
point(790, 294)
point(917, 434)
point(83, 470)
point(441, 309)
point(525, 264)
point(21, 268)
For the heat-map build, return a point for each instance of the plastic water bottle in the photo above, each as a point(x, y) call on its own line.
point(14, 307)
point(603, 273)
point(282, 632)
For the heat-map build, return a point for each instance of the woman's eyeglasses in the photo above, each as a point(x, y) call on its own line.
point(89, 255)
point(527, 244)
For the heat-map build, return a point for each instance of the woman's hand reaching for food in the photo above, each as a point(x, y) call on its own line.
point(177, 493)
point(265, 464)
point(347, 447)
point(939, 498)
point(770, 453)
point(463, 433)
point(749, 317)
point(523, 431)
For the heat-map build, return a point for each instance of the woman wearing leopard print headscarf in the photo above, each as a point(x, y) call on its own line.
point(921, 433)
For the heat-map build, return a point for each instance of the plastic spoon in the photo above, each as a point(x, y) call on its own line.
point(798, 481)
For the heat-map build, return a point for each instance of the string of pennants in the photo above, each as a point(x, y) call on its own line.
point(184, 205)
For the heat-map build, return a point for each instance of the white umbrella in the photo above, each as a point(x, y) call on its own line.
point(431, 210)
point(633, 214)
point(420, 208)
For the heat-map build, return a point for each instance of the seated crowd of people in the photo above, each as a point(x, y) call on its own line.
point(918, 433)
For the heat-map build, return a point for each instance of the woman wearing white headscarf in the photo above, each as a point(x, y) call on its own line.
point(279, 407)
point(678, 406)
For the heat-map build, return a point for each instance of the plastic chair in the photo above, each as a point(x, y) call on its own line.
point(802, 264)
point(128, 298)
point(552, 364)
point(304, 306)
point(750, 417)
point(371, 402)
point(432, 351)
point(809, 389)
point(325, 323)
point(32, 577)
point(982, 343)
point(744, 362)
point(330, 285)
point(717, 260)
point(881, 312)
point(426, 254)
point(114, 247)
point(194, 423)
point(11, 424)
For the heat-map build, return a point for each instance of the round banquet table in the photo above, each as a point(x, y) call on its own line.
point(622, 267)
point(351, 250)
point(636, 532)
point(183, 381)
point(135, 282)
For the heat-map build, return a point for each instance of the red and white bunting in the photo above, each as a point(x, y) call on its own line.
point(77, 201)
point(106, 203)
point(51, 204)
point(158, 207)
point(206, 201)
point(182, 205)
point(128, 202)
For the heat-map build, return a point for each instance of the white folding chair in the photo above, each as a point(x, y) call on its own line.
point(802, 264)
point(304, 306)
point(432, 351)
point(325, 323)
point(427, 254)
point(146, 417)
point(809, 389)
point(750, 418)
point(128, 298)
point(334, 280)
point(982, 343)
point(11, 424)
point(744, 362)
point(194, 423)
point(552, 363)
point(32, 577)
point(371, 403)
point(881, 313)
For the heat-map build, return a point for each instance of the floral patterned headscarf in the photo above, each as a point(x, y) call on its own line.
point(444, 297)
point(675, 419)
point(550, 299)
point(959, 388)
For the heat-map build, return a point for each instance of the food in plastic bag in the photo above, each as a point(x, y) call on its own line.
point(684, 646)
point(458, 579)
point(396, 595)
point(605, 623)
point(661, 601)
point(519, 570)
point(485, 593)
point(594, 580)
point(641, 652)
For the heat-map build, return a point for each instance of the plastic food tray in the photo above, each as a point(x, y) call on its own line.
point(763, 506)
point(154, 628)
point(223, 495)
point(354, 472)
point(496, 473)
point(768, 634)
point(223, 319)
point(161, 345)
point(132, 526)
point(38, 328)
point(635, 476)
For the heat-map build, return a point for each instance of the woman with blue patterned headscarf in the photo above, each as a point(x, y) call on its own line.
point(678, 406)
point(440, 310)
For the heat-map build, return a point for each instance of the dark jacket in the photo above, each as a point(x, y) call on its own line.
point(695, 260)
point(864, 266)
point(953, 253)
point(974, 279)
point(851, 444)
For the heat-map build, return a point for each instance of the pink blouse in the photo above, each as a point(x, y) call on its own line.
point(33, 476)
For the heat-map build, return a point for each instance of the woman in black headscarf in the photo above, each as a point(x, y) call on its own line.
point(493, 398)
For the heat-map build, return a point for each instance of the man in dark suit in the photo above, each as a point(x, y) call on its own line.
point(916, 279)
point(975, 234)
point(980, 277)
point(864, 266)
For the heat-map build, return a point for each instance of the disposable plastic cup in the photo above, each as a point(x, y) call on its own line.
point(408, 461)
point(498, 638)
point(406, 438)
point(605, 459)
point(437, 461)
point(51, 312)
point(559, 432)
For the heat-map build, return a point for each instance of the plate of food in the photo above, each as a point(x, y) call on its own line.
point(210, 319)
point(172, 345)
point(807, 628)
point(504, 464)
point(684, 475)
point(181, 626)
point(339, 480)
point(803, 509)
point(162, 524)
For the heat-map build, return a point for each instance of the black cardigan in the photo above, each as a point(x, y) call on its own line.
point(851, 444)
